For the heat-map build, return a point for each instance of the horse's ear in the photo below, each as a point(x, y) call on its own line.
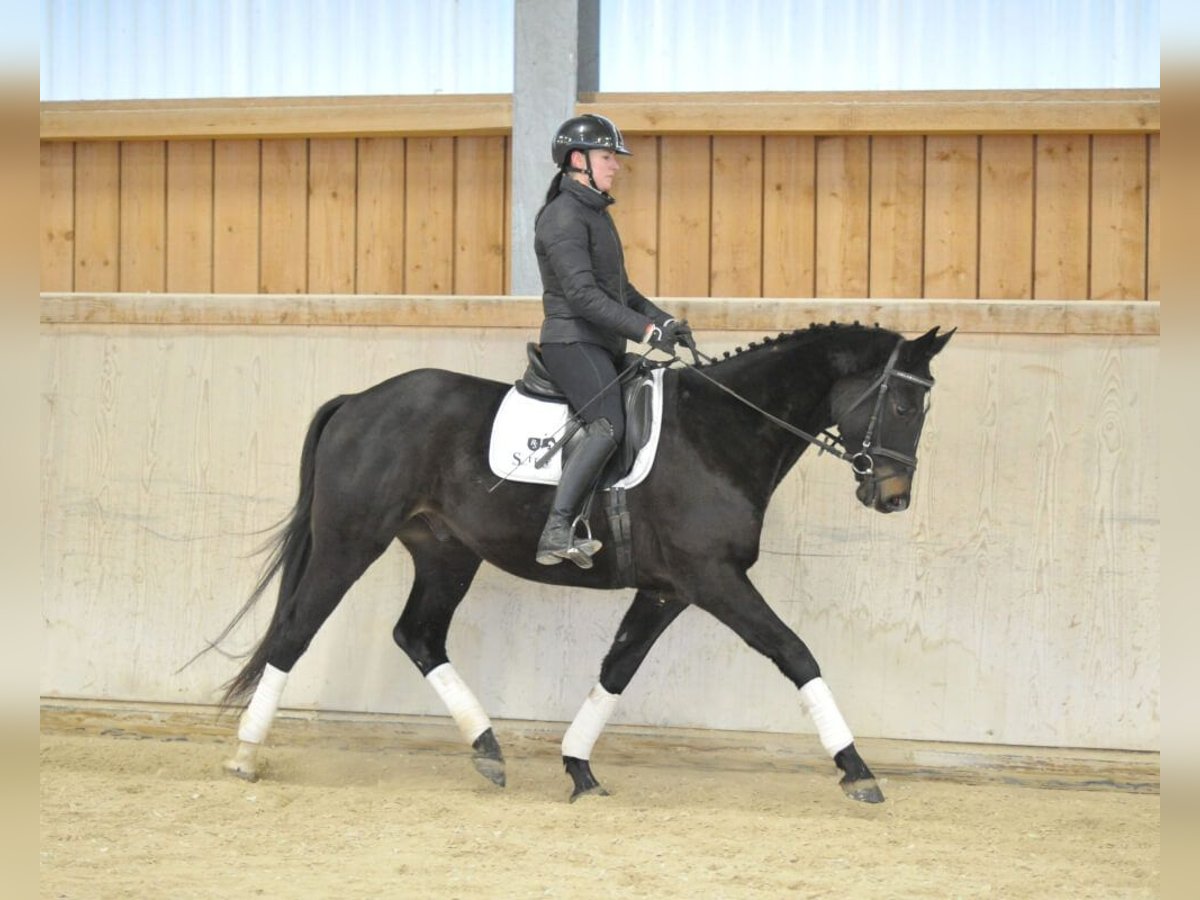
point(940, 341)
point(928, 345)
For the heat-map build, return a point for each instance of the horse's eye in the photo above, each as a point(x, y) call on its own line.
point(903, 408)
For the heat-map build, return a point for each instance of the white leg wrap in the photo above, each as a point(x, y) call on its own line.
point(589, 722)
point(468, 714)
point(831, 727)
point(256, 720)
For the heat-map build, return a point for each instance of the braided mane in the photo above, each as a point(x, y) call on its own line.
point(786, 337)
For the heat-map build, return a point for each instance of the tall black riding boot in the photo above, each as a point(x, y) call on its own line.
point(580, 473)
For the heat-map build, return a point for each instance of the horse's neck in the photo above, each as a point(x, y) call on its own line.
point(791, 379)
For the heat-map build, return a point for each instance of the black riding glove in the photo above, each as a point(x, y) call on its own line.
point(683, 332)
point(665, 337)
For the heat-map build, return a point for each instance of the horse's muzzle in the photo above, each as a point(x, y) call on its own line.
point(885, 493)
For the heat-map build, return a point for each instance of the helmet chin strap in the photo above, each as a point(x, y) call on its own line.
point(587, 157)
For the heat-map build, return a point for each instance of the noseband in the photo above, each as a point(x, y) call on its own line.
point(861, 461)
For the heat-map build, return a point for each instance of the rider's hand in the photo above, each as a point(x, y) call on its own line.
point(665, 337)
point(684, 335)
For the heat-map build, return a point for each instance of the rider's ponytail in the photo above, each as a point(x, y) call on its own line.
point(553, 191)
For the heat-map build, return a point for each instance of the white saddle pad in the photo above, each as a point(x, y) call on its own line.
point(525, 429)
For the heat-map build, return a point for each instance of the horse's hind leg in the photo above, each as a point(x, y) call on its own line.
point(645, 620)
point(444, 569)
point(336, 563)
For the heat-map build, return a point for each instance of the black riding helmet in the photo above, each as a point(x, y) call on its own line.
point(588, 132)
point(585, 133)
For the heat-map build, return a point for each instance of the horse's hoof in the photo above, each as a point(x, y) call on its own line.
point(491, 769)
point(584, 782)
point(244, 764)
point(594, 791)
point(489, 759)
point(236, 769)
point(865, 790)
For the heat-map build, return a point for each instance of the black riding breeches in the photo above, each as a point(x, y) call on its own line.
point(587, 374)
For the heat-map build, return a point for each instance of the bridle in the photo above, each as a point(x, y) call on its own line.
point(862, 460)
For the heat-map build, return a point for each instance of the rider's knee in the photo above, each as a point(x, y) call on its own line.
point(605, 427)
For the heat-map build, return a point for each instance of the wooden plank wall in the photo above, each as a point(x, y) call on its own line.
point(997, 216)
point(280, 216)
point(872, 195)
point(940, 216)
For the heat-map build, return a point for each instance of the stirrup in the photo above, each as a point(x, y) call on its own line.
point(577, 556)
point(576, 553)
point(589, 546)
point(579, 552)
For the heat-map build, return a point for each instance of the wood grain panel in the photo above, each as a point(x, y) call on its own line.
point(737, 209)
point(1061, 239)
point(843, 216)
point(1154, 222)
point(380, 267)
point(880, 112)
point(685, 216)
point(1006, 217)
point(789, 208)
point(951, 215)
point(682, 212)
point(1118, 252)
point(429, 217)
point(332, 180)
point(190, 216)
point(277, 117)
point(97, 215)
point(57, 175)
point(636, 212)
point(1078, 317)
point(143, 216)
point(236, 195)
point(284, 236)
point(508, 201)
point(480, 227)
point(864, 112)
point(897, 215)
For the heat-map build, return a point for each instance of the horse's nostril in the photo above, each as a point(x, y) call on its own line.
point(899, 504)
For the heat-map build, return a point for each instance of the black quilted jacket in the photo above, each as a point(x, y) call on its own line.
point(586, 291)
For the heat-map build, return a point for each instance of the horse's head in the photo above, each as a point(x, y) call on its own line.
point(880, 413)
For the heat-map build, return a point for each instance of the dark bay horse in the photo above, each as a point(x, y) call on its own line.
point(407, 460)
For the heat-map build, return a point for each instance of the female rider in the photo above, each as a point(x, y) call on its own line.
point(591, 310)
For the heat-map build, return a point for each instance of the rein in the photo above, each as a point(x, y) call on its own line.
point(862, 461)
point(825, 442)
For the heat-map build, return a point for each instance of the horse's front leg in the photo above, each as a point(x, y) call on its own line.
point(729, 596)
point(647, 618)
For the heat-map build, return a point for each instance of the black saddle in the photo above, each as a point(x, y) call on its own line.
point(636, 396)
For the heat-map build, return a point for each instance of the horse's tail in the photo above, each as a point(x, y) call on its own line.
point(289, 548)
